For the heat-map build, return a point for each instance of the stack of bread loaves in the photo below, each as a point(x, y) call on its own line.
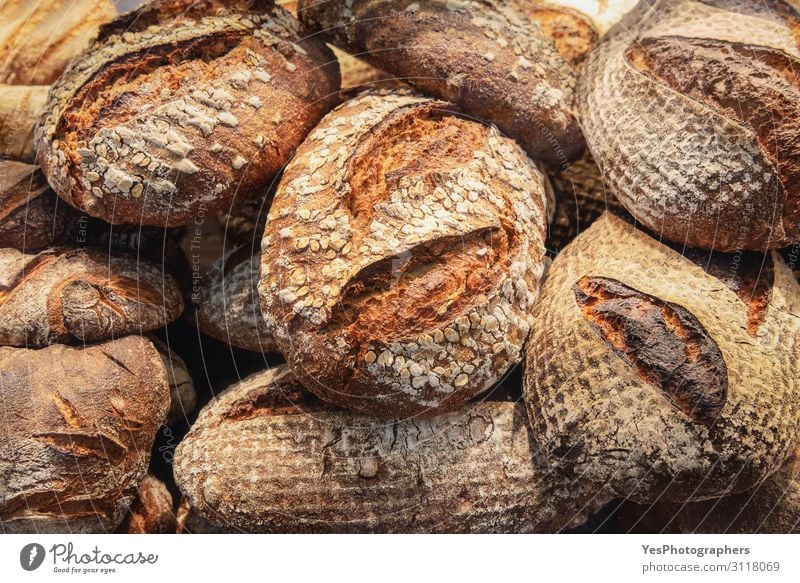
point(395, 205)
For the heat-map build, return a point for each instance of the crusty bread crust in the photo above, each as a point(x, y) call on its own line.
point(181, 106)
point(402, 254)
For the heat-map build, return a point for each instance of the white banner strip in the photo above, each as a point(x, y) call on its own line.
point(352, 559)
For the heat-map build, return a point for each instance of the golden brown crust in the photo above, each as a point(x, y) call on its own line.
point(402, 252)
point(573, 33)
point(639, 407)
point(20, 108)
point(261, 458)
point(181, 106)
point(71, 295)
point(667, 107)
point(482, 56)
point(39, 39)
point(78, 427)
point(152, 510)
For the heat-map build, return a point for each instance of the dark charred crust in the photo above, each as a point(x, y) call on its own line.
point(664, 342)
point(757, 86)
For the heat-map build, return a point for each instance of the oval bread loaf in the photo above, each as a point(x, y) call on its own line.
point(657, 375)
point(692, 110)
point(401, 256)
point(181, 106)
point(267, 456)
point(484, 56)
point(78, 427)
point(81, 295)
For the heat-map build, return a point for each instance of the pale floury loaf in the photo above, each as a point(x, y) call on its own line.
point(267, 456)
point(664, 374)
point(692, 110)
point(180, 107)
point(402, 254)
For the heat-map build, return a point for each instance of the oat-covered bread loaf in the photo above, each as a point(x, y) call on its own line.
point(228, 308)
point(581, 197)
point(20, 107)
point(771, 508)
point(402, 254)
point(654, 374)
point(267, 456)
point(180, 106)
point(81, 295)
point(78, 426)
point(692, 110)
point(152, 510)
point(483, 56)
point(39, 39)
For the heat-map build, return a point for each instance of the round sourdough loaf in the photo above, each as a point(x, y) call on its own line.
point(771, 508)
point(402, 254)
point(483, 55)
point(692, 110)
point(228, 307)
point(81, 295)
point(180, 106)
point(657, 373)
point(267, 456)
point(78, 426)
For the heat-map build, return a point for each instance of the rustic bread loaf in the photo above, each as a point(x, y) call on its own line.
point(581, 197)
point(402, 253)
point(181, 106)
point(229, 308)
point(152, 510)
point(78, 426)
point(483, 56)
point(601, 13)
point(20, 107)
point(660, 375)
point(692, 110)
point(182, 395)
point(81, 295)
point(771, 508)
point(39, 39)
point(267, 456)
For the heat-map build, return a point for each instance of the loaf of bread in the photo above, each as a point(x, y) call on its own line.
point(601, 13)
point(181, 106)
point(581, 197)
point(20, 108)
point(182, 394)
point(402, 254)
point(78, 426)
point(664, 374)
point(228, 308)
point(267, 456)
point(692, 110)
point(190, 521)
point(483, 55)
point(152, 510)
point(771, 508)
point(39, 39)
point(81, 295)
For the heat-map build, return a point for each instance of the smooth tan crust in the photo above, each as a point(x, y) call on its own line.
point(20, 108)
point(263, 458)
point(81, 295)
point(484, 56)
point(78, 427)
point(771, 508)
point(664, 103)
point(597, 404)
point(182, 395)
point(581, 197)
point(152, 510)
point(229, 309)
point(39, 39)
point(402, 253)
point(181, 106)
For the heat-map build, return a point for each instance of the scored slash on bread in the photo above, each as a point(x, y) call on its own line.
point(402, 254)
